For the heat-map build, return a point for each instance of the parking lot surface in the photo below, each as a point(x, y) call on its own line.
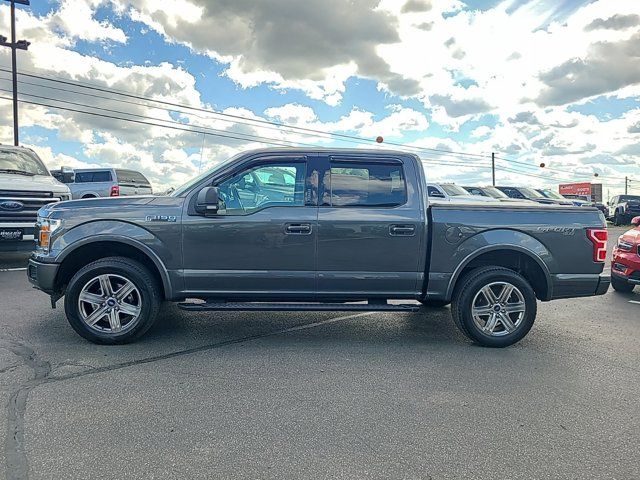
point(319, 395)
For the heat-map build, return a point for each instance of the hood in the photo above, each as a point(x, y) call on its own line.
point(100, 202)
point(632, 236)
point(36, 183)
point(472, 198)
point(550, 201)
point(515, 200)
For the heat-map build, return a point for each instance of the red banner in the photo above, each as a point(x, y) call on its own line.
point(575, 189)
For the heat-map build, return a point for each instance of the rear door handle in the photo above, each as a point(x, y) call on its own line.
point(297, 229)
point(402, 230)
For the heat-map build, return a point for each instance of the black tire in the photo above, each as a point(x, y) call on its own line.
point(620, 285)
point(149, 299)
point(434, 303)
point(470, 285)
point(617, 219)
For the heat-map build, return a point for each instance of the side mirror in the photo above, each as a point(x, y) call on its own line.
point(635, 221)
point(208, 201)
point(68, 175)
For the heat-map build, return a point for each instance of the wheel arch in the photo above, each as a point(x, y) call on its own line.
point(514, 257)
point(83, 252)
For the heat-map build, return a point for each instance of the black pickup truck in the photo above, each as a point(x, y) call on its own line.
point(297, 229)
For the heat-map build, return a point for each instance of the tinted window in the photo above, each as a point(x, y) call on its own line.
point(434, 192)
point(365, 184)
point(625, 198)
point(131, 177)
point(512, 192)
point(454, 190)
point(475, 191)
point(271, 185)
point(92, 177)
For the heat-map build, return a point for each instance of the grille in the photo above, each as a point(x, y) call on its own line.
point(32, 202)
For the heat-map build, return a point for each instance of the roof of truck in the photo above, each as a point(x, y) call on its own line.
point(340, 151)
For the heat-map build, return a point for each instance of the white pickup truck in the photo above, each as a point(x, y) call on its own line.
point(25, 186)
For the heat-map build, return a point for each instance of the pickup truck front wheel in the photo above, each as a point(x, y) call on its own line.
point(494, 306)
point(112, 301)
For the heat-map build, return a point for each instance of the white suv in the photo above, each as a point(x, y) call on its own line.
point(25, 186)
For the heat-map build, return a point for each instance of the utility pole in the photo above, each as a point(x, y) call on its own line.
point(626, 185)
point(14, 46)
point(493, 168)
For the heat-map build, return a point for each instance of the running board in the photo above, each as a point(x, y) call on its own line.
point(298, 307)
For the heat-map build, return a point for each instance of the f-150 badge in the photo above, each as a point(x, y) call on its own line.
point(161, 218)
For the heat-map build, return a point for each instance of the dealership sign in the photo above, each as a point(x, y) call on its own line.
point(583, 188)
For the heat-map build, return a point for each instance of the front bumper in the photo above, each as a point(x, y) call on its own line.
point(43, 275)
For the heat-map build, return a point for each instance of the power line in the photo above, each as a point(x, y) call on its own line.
point(251, 122)
point(156, 119)
point(239, 117)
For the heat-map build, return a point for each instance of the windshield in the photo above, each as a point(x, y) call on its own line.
point(20, 161)
point(494, 192)
point(194, 181)
point(530, 193)
point(454, 190)
point(551, 194)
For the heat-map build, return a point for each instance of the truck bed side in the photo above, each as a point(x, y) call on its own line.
point(547, 244)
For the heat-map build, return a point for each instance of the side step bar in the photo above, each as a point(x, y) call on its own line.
point(298, 307)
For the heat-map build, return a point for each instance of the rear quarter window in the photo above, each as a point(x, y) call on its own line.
point(93, 177)
point(131, 177)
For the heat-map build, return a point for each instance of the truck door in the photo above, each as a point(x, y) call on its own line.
point(262, 243)
point(370, 228)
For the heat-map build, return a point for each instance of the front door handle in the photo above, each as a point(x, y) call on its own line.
point(402, 230)
point(297, 229)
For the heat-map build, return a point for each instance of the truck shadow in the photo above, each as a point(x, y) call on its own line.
point(429, 326)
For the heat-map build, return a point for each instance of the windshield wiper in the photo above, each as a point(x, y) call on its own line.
point(17, 172)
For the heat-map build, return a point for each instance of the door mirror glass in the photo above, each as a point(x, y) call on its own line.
point(208, 201)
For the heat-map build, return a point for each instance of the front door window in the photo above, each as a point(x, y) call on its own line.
point(264, 186)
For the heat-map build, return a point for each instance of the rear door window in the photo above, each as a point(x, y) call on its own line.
point(361, 184)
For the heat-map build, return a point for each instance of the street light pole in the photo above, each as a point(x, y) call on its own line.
point(21, 45)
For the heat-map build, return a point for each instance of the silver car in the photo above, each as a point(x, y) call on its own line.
point(105, 182)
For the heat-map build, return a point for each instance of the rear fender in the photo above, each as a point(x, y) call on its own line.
point(502, 240)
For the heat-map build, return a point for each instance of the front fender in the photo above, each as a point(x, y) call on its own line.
point(121, 232)
point(500, 240)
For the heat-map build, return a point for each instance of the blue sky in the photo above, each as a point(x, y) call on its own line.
point(532, 80)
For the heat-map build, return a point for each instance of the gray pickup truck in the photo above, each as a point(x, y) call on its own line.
point(296, 229)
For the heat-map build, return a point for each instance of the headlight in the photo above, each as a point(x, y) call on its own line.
point(625, 246)
point(46, 227)
point(64, 197)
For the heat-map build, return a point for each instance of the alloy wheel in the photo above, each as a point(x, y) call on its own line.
point(498, 309)
point(110, 303)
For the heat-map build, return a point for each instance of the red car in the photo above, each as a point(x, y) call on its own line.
point(625, 267)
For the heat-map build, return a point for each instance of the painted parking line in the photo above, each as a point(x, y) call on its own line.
point(634, 301)
point(21, 269)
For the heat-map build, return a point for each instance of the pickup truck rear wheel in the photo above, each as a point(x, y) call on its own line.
point(114, 300)
point(494, 306)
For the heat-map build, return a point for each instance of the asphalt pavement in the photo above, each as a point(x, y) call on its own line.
point(319, 395)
